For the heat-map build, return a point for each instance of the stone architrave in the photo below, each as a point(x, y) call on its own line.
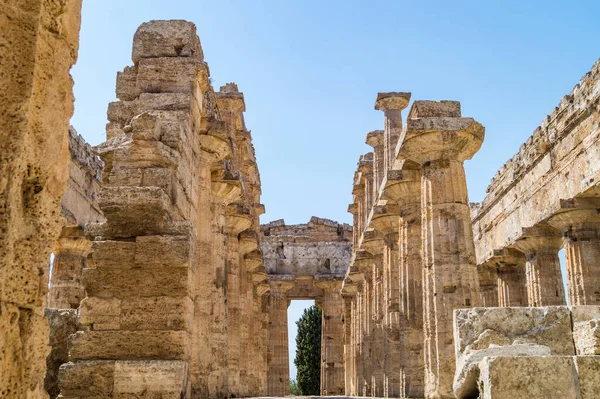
point(440, 140)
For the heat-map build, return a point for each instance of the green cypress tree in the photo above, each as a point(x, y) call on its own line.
point(308, 351)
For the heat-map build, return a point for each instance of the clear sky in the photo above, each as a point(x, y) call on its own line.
point(310, 71)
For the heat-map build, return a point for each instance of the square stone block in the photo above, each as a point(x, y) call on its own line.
point(478, 328)
point(174, 38)
point(87, 379)
point(588, 368)
point(129, 345)
point(586, 329)
point(541, 377)
point(151, 379)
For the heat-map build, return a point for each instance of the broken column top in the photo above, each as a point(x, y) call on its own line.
point(374, 138)
point(230, 87)
point(435, 109)
point(392, 100)
point(166, 38)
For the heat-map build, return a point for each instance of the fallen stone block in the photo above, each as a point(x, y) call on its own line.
point(531, 377)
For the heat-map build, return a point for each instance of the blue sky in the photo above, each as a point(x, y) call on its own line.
point(310, 71)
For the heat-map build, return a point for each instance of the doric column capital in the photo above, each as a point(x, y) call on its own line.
point(577, 219)
point(372, 241)
point(328, 282)
point(230, 101)
point(386, 218)
point(402, 186)
point(375, 138)
point(541, 238)
point(392, 101)
point(361, 260)
point(280, 284)
point(254, 260)
point(435, 130)
point(225, 184)
point(238, 218)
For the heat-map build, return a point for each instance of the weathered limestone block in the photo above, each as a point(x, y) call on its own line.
point(535, 377)
point(586, 329)
point(123, 344)
point(87, 379)
point(166, 39)
point(548, 326)
point(484, 332)
point(588, 371)
point(105, 379)
point(39, 44)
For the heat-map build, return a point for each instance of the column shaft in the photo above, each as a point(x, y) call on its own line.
point(583, 268)
point(411, 304)
point(449, 256)
point(278, 381)
point(332, 348)
point(511, 287)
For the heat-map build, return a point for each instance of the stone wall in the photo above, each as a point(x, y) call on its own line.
point(169, 275)
point(306, 261)
point(39, 44)
point(543, 199)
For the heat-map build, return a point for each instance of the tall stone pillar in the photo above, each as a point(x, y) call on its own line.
point(580, 229)
point(66, 289)
point(349, 296)
point(373, 243)
point(278, 378)
point(142, 274)
point(40, 41)
point(404, 188)
point(391, 104)
point(332, 342)
point(541, 244)
point(386, 220)
point(362, 263)
point(439, 140)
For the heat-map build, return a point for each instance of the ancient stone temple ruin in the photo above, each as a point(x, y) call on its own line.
point(163, 283)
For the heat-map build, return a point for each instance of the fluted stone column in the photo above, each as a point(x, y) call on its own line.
point(439, 140)
point(349, 296)
point(404, 187)
point(66, 289)
point(374, 244)
point(509, 268)
point(361, 272)
point(540, 245)
point(386, 220)
point(580, 229)
point(278, 378)
point(332, 343)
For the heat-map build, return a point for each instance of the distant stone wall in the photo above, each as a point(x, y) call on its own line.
point(321, 246)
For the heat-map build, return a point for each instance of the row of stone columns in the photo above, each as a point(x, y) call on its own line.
point(528, 273)
point(414, 260)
